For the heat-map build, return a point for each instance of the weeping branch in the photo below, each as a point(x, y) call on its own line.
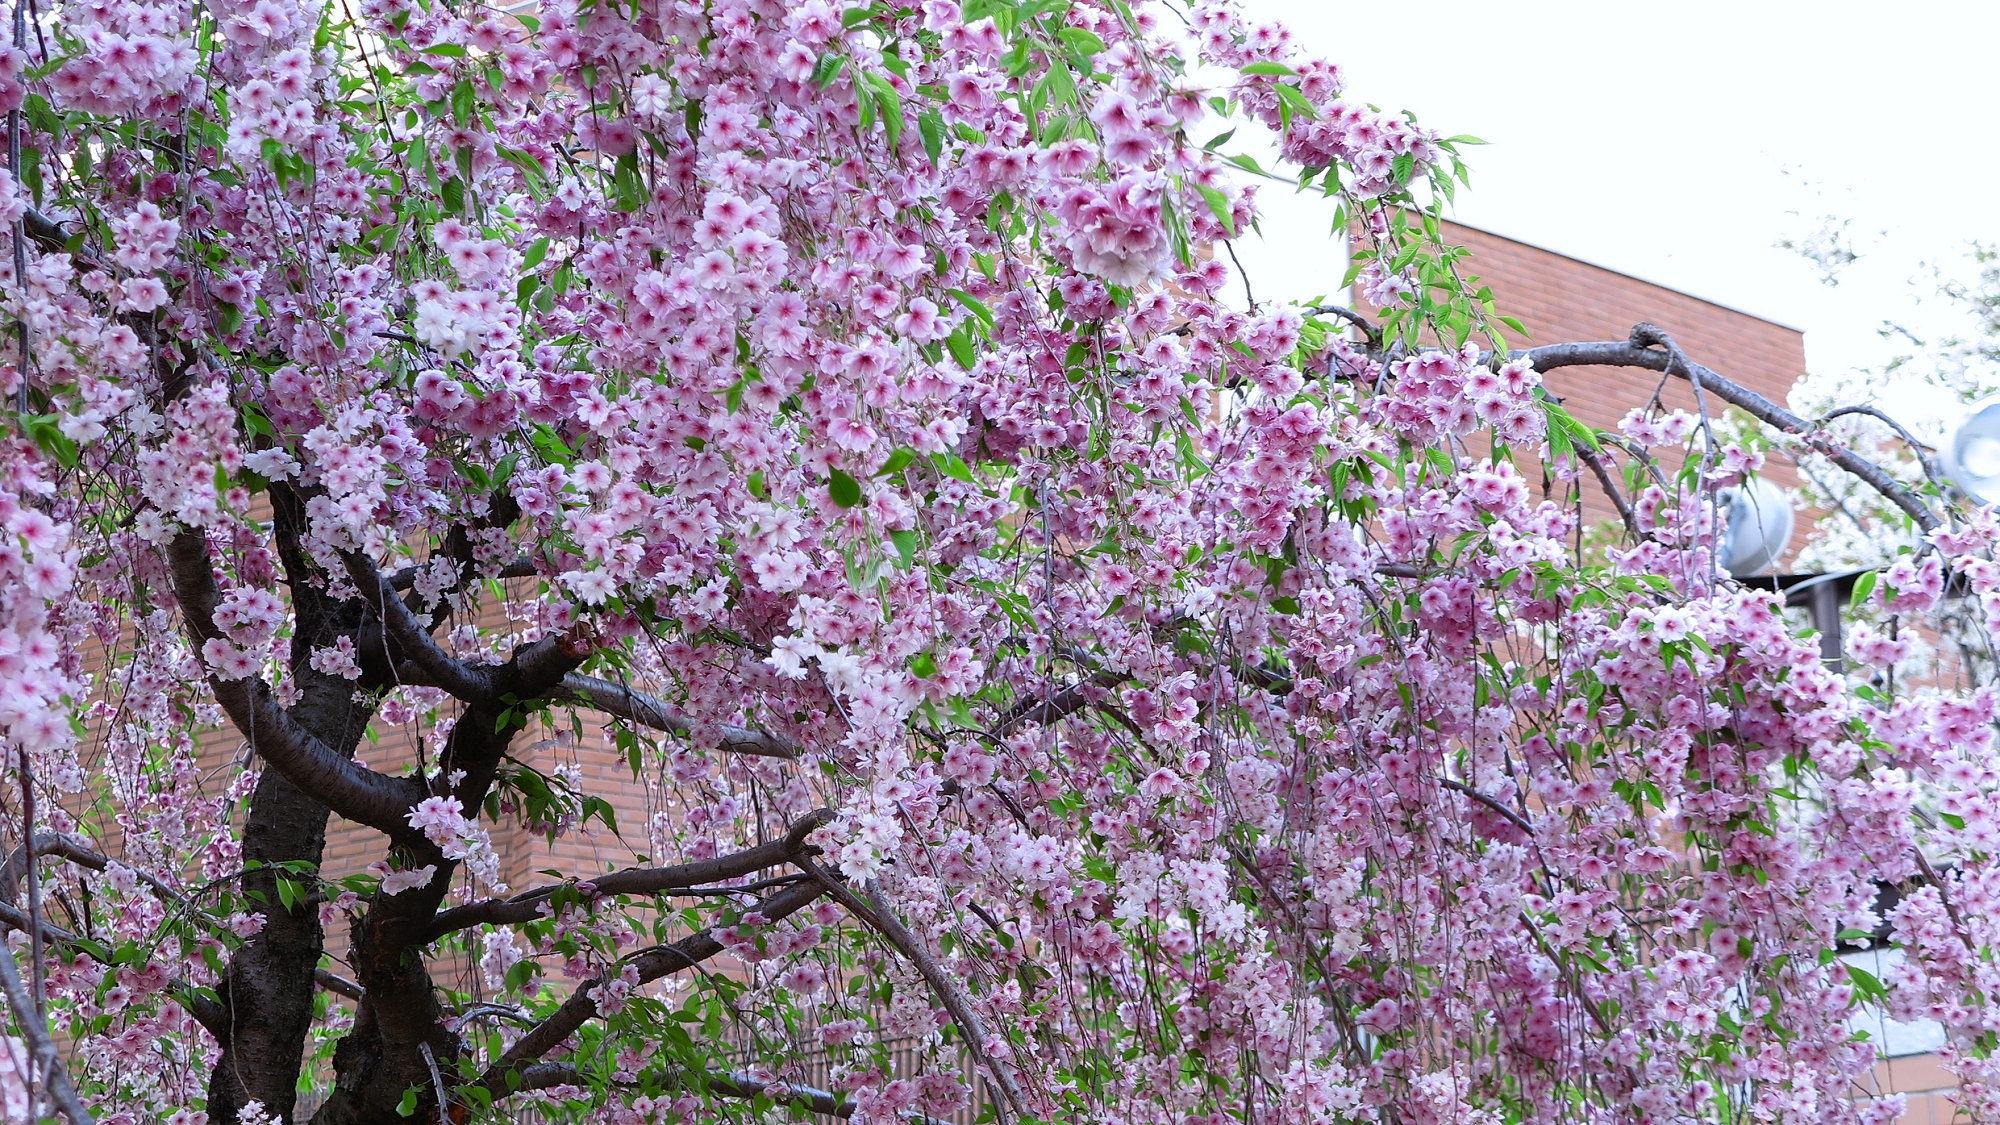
point(877, 915)
point(527, 906)
point(35, 1030)
point(1611, 489)
point(1635, 352)
point(206, 1012)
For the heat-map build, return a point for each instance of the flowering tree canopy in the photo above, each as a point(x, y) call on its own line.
point(1128, 707)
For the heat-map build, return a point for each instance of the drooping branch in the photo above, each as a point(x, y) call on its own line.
point(354, 791)
point(206, 1012)
point(651, 711)
point(1635, 352)
point(878, 915)
point(1923, 452)
point(527, 906)
point(651, 964)
point(1610, 486)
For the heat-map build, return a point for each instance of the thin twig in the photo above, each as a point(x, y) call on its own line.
point(35, 971)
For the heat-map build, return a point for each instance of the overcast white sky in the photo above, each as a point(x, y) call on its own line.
point(1672, 139)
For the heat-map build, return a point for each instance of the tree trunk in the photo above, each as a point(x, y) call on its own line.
point(269, 989)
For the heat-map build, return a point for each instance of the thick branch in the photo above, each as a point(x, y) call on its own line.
point(355, 792)
point(651, 711)
point(440, 668)
point(652, 964)
point(527, 906)
point(1635, 353)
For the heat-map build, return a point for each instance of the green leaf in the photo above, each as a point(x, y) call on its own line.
point(1289, 98)
point(950, 465)
point(463, 101)
point(1218, 204)
point(974, 305)
point(906, 546)
point(255, 421)
point(602, 810)
point(1576, 431)
point(446, 50)
point(960, 345)
point(1249, 164)
point(1081, 41)
point(537, 250)
point(845, 490)
point(408, 1106)
point(897, 462)
point(48, 435)
point(931, 125)
point(1866, 986)
point(1272, 69)
point(1863, 587)
point(888, 101)
point(864, 99)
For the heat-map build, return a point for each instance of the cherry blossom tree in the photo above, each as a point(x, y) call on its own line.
point(1064, 695)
